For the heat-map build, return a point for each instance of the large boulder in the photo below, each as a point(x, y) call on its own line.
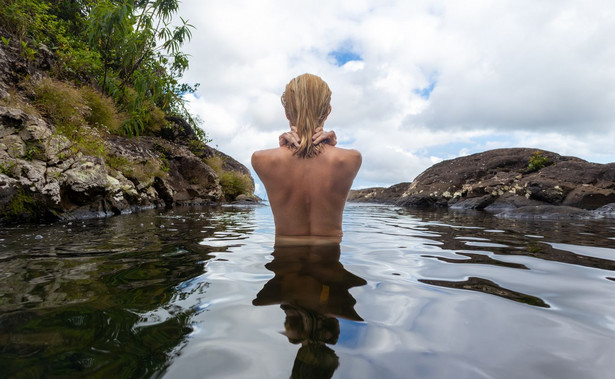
point(504, 180)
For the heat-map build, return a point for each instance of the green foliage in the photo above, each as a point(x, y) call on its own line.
point(196, 147)
point(117, 162)
point(27, 18)
point(233, 183)
point(216, 164)
point(26, 52)
point(537, 161)
point(32, 151)
point(102, 110)
point(130, 49)
point(143, 171)
point(7, 168)
point(5, 41)
point(78, 63)
point(21, 206)
point(140, 50)
point(70, 110)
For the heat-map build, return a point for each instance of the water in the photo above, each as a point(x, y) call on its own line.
point(199, 292)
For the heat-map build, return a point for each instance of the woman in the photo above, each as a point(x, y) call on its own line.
point(307, 178)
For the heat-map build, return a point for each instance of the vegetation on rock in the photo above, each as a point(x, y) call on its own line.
point(78, 80)
point(537, 161)
point(128, 49)
point(233, 183)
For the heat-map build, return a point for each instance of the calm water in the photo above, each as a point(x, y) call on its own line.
point(199, 292)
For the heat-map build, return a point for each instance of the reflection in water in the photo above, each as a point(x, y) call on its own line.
point(171, 294)
point(100, 297)
point(311, 286)
point(487, 286)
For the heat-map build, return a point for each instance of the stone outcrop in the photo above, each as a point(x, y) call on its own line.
point(45, 175)
point(42, 178)
point(382, 195)
point(503, 181)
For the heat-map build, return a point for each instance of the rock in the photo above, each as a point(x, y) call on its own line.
point(606, 211)
point(378, 194)
point(477, 203)
point(11, 120)
point(247, 199)
point(550, 212)
point(500, 180)
point(164, 190)
point(84, 183)
point(44, 175)
point(14, 146)
point(178, 130)
point(510, 201)
point(9, 188)
point(193, 180)
point(589, 197)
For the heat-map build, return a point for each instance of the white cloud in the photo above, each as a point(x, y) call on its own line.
point(504, 74)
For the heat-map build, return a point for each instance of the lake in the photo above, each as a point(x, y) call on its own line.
point(202, 292)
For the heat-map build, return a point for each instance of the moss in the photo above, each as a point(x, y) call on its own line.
point(21, 207)
point(8, 169)
point(196, 147)
point(155, 120)
point(60, 102)
point(143, 172)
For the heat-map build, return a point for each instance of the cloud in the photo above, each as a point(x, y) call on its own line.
point(413, 82)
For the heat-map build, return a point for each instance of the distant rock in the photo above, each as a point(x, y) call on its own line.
point(503, 181)
point(388, 195)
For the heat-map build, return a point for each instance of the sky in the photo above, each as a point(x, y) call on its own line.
point(414, 82)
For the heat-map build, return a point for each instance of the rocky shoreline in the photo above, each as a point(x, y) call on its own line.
point(41, 178)
point(512, 183)
point(63, 154)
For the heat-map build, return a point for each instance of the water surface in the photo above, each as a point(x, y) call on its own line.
point(203, 292)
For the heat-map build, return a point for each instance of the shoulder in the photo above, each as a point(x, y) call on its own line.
point(347, 155)
point(267, 154)
point(346, 159)
point(266, 157)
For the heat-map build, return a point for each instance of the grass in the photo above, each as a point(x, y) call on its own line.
point(233, 183)
point(103, 112)
point(215, 163)
point(70, 110)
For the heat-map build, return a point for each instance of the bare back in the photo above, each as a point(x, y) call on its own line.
point(307, 196)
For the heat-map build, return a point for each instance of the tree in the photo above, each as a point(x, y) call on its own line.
point(140, 49)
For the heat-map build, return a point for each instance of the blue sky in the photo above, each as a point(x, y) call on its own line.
point(344, 54)
point(413, 83)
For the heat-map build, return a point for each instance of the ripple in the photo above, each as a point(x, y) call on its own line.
point(440, 295)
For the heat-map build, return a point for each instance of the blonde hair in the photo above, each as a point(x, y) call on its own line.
point(307, 103)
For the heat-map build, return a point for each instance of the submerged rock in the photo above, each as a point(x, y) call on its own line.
point(514, 181)
point(551, 212)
